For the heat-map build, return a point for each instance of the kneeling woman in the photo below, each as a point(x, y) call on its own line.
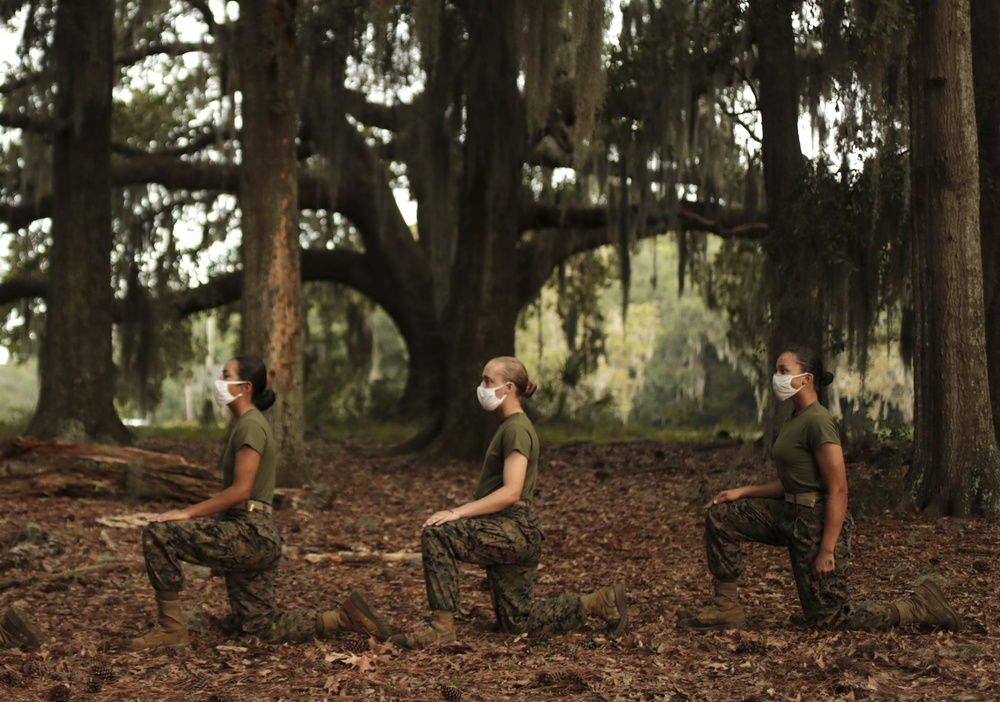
point(499, 530)
point(240, 539)
point(805, 510)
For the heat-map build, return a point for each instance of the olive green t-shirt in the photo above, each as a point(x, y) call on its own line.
point(251, 429)
point(794, 451)
point(516, 433)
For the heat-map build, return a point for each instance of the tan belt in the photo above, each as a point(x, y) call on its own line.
point(805, 499)
point(254, 506)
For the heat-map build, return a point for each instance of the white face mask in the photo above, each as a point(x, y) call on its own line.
point(782, 385)
point(222, 395)
point(488, 397)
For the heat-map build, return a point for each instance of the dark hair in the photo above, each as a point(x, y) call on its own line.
point(811, 362)
point(515, 372)
point(253, 370)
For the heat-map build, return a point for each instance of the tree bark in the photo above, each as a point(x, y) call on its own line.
point(76, 399)
point(790, 276)
point(956, 465)
point(986, 80)
point(271, 311)
point(481, 315)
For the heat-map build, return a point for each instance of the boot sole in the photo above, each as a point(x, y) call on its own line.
point(621, 604)
point(357, 599)
point(17, 623)
point(953, 623)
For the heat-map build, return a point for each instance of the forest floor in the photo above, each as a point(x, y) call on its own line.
point(627, 512)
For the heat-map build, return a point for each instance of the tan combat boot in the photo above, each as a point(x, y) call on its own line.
point(725, 612)
point(170, 630)
point(440, 631)
point(608, 603)
point(356, 614)
point(927, 605)
point(16, 629)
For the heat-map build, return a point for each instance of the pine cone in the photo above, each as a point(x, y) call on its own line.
point(565, 678)
point(102, 671)
point(220, 697)
point(452, 694)
point(33, 668)
point(750, 646)
point(200, 683)
point(355, 646)
point(59, 693)
point(10, 677)
point(93, 685)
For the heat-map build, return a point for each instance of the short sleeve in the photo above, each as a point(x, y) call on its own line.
point(517, 438)
point(823, 430)
point(250, 434)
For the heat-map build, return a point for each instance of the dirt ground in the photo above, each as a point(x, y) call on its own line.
point(626, 513)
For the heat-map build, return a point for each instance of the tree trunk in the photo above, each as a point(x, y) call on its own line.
point(271, 310)
point(790, 275)
point(482, 311)
point(956, 465)
point(76, 399)
point(986, 75)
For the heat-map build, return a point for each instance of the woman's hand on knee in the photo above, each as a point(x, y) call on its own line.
point(174, 515)
point(442, 517)
point(725, 496)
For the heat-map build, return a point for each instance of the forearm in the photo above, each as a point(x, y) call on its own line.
point(217, 503)
point(772, 490)
point(496, 501)
point(833, 521)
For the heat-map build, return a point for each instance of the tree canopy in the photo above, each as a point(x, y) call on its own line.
point(528, 135)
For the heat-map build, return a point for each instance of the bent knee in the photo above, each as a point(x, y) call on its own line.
point(824, 620)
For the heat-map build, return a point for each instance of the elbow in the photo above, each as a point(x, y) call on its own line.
point(511, 497)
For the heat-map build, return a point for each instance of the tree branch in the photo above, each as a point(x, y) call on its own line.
point(341, 266)
point(42, 124)
point(373, 114)
point(690, 215)
point(21, 288)
point(138, 53)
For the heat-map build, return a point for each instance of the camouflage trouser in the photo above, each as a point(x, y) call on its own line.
point(509, 544)
point(246, 547)
point(800, 529)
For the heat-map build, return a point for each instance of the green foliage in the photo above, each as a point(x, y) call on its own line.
point(355, 363)
point(19, 388)
point(653, 370)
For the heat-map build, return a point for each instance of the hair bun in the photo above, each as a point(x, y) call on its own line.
point(529, 389)
point(826, 378)
point(264, 399)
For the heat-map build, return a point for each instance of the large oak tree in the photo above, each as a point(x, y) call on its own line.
point(956, 465)
point(78, 376)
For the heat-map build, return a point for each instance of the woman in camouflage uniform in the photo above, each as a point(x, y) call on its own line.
point(499, 530)
point(805, 510)
point(234, 532)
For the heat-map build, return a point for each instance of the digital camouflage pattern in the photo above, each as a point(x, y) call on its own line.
point(800, 529)
point(246, 547)
point(509, 545)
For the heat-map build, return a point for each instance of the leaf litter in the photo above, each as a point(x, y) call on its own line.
point(628, 512)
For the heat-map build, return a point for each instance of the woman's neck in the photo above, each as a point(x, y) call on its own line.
point(803, 398)
point(240, 406)
point(511, 406)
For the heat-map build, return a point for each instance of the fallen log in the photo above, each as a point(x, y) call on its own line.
point(37, 579)
point(355, 557)
point(69, 469)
